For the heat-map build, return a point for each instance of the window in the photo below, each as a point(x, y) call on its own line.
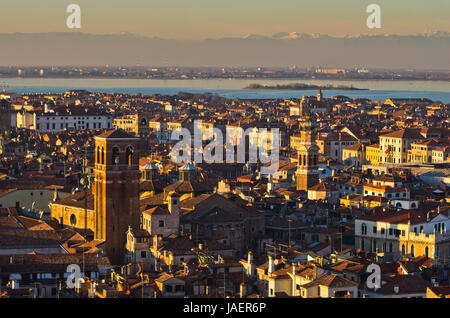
point(143, 254)
point(103, 156)
point(179, 288)
point(129, 155)
point(115, 156)
point(374, 229)
point(363, 229)
point(161, 223)
point(168, 288)
point(73, 220)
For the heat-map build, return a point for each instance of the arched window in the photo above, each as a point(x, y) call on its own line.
point(426, 251)
point(129, 155)
point(98, 155)
point(391, 248)
point(412, 251)
point(102, 154)
point(73, 220)
point(363, 229)
point(403, 250)
point(413, 205)
point(362, 245)
point(115, 156)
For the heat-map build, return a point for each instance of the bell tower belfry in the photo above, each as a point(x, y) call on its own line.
point(116, 190)
point(307, 173)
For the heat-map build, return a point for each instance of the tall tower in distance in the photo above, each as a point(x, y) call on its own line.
point(307, 174)
point(319, 95)
point(116, 190)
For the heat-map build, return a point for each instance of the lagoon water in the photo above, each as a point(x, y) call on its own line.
point(233, 88)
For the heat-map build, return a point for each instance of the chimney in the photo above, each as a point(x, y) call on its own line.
point(271, 265)
point(173, 203)
point(243, 290)
point(15, 284)
point(250, 257)
point(156, 242)
point(294, 268)
point(269, 187)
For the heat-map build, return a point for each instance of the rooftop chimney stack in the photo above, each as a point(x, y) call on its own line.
point(243, 290)
point(250, 257)
point(173, 203)
point(15, 284)
point(271, 265)
point(156, 242)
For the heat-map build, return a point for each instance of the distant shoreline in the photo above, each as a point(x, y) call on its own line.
point(302, 86)
point(329, 79)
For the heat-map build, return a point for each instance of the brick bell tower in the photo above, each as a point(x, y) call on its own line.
point(307, 173)
point(116, 190)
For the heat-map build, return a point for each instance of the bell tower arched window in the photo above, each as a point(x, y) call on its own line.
point(129, 155)
point(115, 158)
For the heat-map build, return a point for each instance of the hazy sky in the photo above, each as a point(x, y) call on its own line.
point(199, 19)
